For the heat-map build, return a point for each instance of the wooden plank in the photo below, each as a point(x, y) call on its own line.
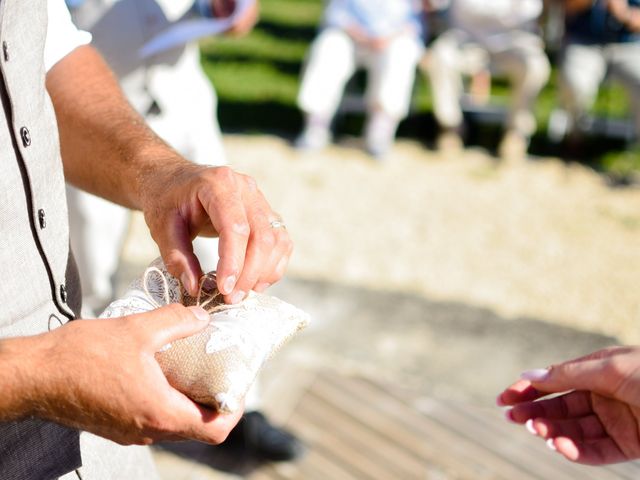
point(335, 449)
point(317, 466)
point(384, 426)
point(504, 440)
point(282, 388)
point(380, 449)
point(461, 449)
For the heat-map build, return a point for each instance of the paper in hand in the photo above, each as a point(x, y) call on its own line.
point(190, 30)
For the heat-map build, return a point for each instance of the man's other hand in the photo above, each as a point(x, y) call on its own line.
point(101, 376)
point(183, 202)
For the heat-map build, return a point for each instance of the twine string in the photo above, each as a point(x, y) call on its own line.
point(203, 298)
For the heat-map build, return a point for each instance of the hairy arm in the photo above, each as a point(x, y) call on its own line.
point(102, 376)
point(107, 149)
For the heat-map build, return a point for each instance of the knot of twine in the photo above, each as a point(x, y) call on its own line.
point(203, 299)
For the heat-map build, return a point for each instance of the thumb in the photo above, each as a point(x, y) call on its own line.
point(591, 375)
point(173, 322)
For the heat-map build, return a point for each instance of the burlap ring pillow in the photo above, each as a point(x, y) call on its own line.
point(217, 366)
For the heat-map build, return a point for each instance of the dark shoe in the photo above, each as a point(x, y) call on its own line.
point(254, 434)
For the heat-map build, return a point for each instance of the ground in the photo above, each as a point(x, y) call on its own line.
point(444, 275)
point(539, 239)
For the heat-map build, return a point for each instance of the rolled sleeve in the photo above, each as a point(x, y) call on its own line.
point(62, 35)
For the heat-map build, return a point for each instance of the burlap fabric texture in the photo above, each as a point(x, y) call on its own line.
point(217, 366)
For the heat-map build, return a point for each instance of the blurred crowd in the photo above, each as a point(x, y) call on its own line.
point(461, 45)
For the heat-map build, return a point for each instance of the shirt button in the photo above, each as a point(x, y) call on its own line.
point(26, 136)
point(63, 293)
point(5, 51)
point(42, 219)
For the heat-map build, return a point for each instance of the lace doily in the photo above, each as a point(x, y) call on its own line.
point(216, 366)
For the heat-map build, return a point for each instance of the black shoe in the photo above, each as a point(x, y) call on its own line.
point(254, 434)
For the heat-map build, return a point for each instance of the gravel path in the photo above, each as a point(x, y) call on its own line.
point(537, 239)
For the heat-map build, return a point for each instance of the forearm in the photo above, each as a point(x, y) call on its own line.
point(107, 149)
point(17, 382)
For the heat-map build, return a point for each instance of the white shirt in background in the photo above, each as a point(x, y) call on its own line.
point(62, 35)
point(487, 21)
point(379, 18)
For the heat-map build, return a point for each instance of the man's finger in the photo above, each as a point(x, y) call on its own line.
point(176, 249)
point(228, 214)
point(267, 246)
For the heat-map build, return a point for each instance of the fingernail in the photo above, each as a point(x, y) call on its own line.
point(500, 402)
point(262, 287)
point(551, 445)
point(536, 375)
point(508, 416)
point(530, 428)
point(229, 283)
point(237, 297)
point(199, 313)
point(185, 278)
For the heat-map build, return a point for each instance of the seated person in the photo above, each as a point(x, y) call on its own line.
point(385, 36)
point(498, 34)
point(601, 37)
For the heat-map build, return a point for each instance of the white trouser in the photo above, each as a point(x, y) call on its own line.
point(584, 67)
point(523, 62)
point(333, 59)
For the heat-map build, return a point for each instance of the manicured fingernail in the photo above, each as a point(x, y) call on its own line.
point(536, 375)
point(238, 297)
point(200, 313)
point(228, 285)
point(500, 402)
point(530, 428)
point(551, 445)
point(185, 278)
point(509, 416)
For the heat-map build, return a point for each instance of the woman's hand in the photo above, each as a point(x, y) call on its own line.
point(596, 418)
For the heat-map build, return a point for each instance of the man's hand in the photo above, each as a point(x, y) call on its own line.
point(189, 200)
point(625, 14)
point(597, 420)
point(101, 376)
point(108, 150)
point(244, 23)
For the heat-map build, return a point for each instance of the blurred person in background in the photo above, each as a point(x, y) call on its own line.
point(587, 409)
point(501, 35)
point(384, 36)
point(173, 94)
point(602, 37)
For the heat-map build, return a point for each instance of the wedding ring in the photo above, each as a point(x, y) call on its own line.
point(278, 224)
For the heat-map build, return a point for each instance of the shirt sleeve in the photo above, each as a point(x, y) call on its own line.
point(62, 35)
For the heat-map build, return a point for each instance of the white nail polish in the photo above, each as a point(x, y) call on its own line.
point(229, 283)
point(551, 445)
point(238, 297)
point(536, 375)
point(530, 428)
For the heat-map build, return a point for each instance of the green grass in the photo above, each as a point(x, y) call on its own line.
point(257, 80)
